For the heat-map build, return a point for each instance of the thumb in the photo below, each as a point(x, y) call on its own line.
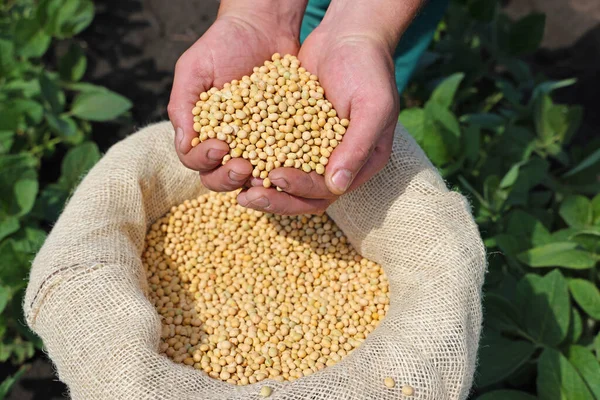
point(193, 75)
point(367, 124)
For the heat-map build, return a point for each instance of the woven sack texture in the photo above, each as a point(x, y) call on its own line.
point(87, 291)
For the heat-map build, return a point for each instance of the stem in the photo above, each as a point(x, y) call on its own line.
point(525, 335)
point(41, 147)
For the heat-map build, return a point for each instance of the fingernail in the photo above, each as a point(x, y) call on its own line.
point(261, 202)
point(241, 199)
point(341, 180)
point(280, 183)
point(234, 176)
point(216, 154)
point(179, 137)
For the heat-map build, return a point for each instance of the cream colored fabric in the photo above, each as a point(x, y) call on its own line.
point(86, 291)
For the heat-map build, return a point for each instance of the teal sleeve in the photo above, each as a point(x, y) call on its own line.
point(413, 43)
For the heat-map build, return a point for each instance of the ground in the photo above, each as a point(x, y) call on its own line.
point(133, 46)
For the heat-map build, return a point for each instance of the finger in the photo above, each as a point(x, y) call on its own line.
point(300, 184)
point(193, 75)
point(255, 182)
point(230, 176)
point(205, 156)
point(378, 160)
point(272, 201)
point(371, 118)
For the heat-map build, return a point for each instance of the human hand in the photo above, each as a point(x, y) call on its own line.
point(244, 35)
point(357, 73)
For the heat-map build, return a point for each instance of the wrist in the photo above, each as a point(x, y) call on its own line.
point(383, 21)
point(279, 17)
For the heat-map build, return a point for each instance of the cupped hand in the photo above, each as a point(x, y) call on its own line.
point(238, 41)
point(357, 74)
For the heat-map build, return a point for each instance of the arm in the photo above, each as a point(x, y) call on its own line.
point(245, 33)
point(285, 16)
point(384, 20)
point(351, 53)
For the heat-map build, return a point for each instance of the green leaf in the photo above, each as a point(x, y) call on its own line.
point(32, 240)
point(7, 56)
point(558, 379)
point(444, 117)
point(543, 110)
point(584, 164)
point(30, 38)
point(51, 202)
point(8, 382)
point(527, 34)
point(64, 127)
point(8, 225)
point(509, 245)
point(25, 191)
point(84, 87)
point(485, 120)
point(5, 295)
point(500, 314)
point(530, 175)
point(511, 176)
point(510, 92)
point(413, 119)
point(27, 88)
point(435, 144)
point(31, 108)
point(492, 192)
point(588, 238)
point(596, 210)
point(545, 306)
point(78, 161)
point(445, 91)
point(9, 117)
point(575, 327)
point(6, 141)
point(588, 367)
point(18, 180)
point(471, 142)
point(14, 265)
point(52, 94)
point(441, 135)
point(65, 18)
point(555, 123)
point(597, 346)
point(500, 357)
point(547, 87)
point(528, 230)
point(576, 211)
point(506, 395)
point(73, 64)
point(564, 235)
point(99, 106)
point(587, 295)
point(559, 254)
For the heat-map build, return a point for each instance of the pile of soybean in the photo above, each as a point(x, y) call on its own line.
point(276, 117)
point(247, 296)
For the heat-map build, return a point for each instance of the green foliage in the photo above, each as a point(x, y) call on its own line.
point(8, 382)
point(493, 130)
point(44, 117)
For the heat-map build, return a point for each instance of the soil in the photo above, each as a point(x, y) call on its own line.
point(133, 46)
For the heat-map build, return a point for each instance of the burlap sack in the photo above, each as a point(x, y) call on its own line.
point(86, 295)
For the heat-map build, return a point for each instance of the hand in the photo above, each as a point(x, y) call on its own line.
point(243, 36)
point(357, 73)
